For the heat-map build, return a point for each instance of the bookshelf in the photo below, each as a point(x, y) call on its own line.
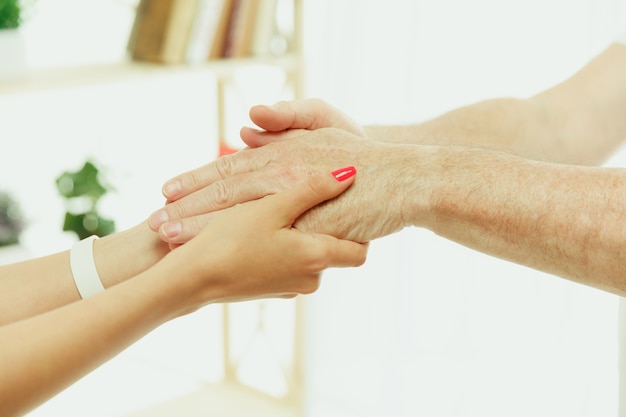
point(232, 395)
point(129, 70)
point(221, 64)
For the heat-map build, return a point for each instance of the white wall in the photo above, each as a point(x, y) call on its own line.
point(427, 327)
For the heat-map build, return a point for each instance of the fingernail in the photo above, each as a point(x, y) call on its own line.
point(279, 105)
point(157, 219)
point(267, 106)
point(343, 174)
point(172, 230)
point(172, 188)
point(254, 129)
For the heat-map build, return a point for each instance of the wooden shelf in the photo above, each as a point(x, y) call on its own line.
point(129, 70)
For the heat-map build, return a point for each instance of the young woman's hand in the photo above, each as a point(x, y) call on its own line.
point(252, 251)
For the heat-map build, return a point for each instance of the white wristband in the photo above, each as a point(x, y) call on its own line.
point(84, 268)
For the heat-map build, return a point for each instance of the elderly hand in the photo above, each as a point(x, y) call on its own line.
point(370, 209)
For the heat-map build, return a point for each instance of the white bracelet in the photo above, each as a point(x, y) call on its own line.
point(84, 268)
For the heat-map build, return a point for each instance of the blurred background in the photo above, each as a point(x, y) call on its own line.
point(425, 327)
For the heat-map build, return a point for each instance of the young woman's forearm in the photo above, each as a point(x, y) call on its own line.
point(39, 285)
point(42, 355)
point(247, 252)
point(126, 254)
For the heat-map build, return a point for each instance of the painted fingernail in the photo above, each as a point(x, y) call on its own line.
point(171, 230)
point(172, 188)
point(157, 219)
point(343, 174)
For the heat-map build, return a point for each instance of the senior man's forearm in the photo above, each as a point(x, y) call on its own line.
point(578, 121)
point(505, 124)
point(562, 219)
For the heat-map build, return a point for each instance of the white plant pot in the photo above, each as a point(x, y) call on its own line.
point(12, 54)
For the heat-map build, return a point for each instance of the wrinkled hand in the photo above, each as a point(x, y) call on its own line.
point(370, 209)
point(252, 251)
point(307, 114)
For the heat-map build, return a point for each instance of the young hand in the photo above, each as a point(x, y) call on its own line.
point(253, 251)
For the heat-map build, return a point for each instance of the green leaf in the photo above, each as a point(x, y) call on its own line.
point(81, 183)
point(10, 14)
point(87, 224)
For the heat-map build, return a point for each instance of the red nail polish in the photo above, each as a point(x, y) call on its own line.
point(343, 174)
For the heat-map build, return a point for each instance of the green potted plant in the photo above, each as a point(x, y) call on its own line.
point(82, 191)
point(12, 53)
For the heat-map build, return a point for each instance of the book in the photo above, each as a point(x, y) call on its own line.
point(161, 30)
point(218, 41)
point(241, 29)
point(132, 38)
point(178, 30)
point(203, 31)
point(148, 32)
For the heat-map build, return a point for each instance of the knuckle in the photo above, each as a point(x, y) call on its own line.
point(313, 257)
point(316, 259)
point(311, 284)
point(187, 207)
point(193, 180)
point(175, 210)
point(224, 166)
point(222, 194)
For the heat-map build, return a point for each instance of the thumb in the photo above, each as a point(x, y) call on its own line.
point(292, 203)
point(309, 114)
point(255, 138)
point(293, 114)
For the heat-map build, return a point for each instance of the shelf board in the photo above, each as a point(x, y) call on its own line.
point(221, 400)
point(129, 70)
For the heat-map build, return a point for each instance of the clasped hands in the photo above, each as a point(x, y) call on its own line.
point(298, 139)
point(299, 142)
